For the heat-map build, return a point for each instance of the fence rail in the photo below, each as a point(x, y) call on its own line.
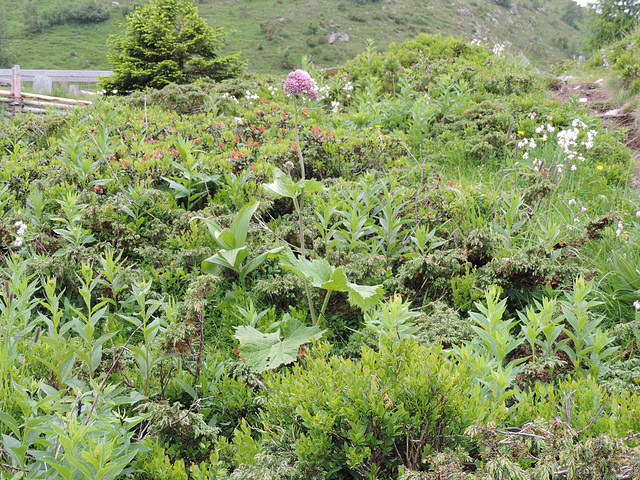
point(57, 76)
point(19, 101)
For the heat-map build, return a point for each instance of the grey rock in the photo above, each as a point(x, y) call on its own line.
point(338, 36)
point(42, 84)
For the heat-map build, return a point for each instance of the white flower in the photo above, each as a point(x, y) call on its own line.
point(115, 91)
point(525, 155)
point(532, 143)
point(637, 304)
point(573, 168)
point(551, 128)
point(540, 129)
point(572, 202)
point(22, 227)
point(638, 214)
point(19, 241)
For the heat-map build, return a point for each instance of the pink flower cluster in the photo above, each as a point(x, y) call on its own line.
point(300, 83)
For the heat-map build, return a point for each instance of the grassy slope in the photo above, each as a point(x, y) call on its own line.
point(533, 27)
point(275, 34)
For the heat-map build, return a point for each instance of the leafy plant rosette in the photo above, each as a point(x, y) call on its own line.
point(233, 251)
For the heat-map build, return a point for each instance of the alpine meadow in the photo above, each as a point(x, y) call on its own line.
point(234, 266)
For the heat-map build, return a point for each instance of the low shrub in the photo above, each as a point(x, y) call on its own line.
point(370, 416)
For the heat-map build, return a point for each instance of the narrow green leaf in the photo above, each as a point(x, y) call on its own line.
point(240, 224)
point(186, 387)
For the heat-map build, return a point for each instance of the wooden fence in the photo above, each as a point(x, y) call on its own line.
point(19, 101)
point(57, 76)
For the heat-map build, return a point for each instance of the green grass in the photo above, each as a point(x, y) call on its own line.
point(274, 35)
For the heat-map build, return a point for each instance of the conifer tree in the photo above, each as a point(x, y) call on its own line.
point(167, 42)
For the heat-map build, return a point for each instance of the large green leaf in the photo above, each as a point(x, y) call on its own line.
point(321, 274)
point(234, 257)
point(316, 272)
point(365, 297)
point(266, 351)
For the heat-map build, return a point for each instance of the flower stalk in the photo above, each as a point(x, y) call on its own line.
point(299, 83)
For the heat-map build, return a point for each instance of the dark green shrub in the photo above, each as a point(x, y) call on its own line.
point(88, 12)
point(428, 277)
point(167, 42)
point(443, 325)
point(366, 417)
point(183, 99)
point(85, 13)
point(236, 399)
point(480, 247)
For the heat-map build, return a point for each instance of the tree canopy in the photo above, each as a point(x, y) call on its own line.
point(167, 42)
point(615, 19)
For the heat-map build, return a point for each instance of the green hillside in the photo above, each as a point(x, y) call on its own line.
point(273, 35)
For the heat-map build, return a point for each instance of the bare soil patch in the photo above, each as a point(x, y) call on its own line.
point(594, 96)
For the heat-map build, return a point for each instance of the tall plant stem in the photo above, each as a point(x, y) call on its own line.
point(299, 149)
point(324, 305)
point(299, 204)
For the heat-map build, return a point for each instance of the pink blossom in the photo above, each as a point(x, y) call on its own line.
point(300, 83)
point(288, 164)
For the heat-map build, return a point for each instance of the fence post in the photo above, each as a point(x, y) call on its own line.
point(16, 90)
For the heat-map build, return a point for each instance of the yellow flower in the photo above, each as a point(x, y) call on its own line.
point(520, 132)
point(600, 167)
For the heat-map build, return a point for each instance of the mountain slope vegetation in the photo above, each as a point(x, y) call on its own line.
point(273, 35)
point(423, 267)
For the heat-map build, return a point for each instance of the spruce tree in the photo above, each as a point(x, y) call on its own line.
point(167, 42)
